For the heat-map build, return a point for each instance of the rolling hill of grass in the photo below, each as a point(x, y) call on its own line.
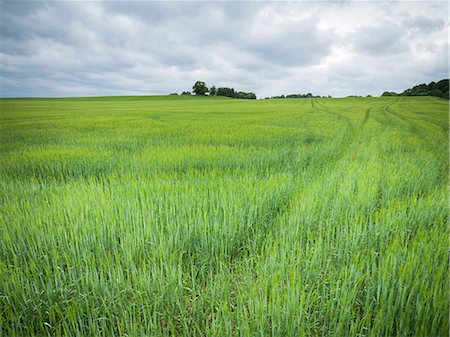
point(195, 216)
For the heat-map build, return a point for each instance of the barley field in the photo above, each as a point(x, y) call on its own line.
point(197, 216)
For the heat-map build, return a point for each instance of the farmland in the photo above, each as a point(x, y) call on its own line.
point(196, 216)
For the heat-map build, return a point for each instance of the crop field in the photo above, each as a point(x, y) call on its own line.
point(197, 216)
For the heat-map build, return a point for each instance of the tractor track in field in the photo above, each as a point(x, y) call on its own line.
point(423, 117)
point(412, 126)
point(284, 205)
point(319, 106)
point(403, 122)
point(369, 111)
point(381, 109)
point(366, 117)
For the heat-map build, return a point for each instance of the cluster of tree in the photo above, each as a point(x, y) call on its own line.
point(439, 89)
point(182, 94)
point(230, 92)
point(308, 95)
point(201, 89)
point(390, 93)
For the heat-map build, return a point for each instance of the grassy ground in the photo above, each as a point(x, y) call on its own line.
point(177, 216)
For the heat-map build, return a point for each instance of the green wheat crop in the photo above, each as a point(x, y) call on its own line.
point(179, 216)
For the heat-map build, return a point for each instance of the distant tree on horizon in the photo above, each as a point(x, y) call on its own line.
point(439, 89)
point(200, 88)
point(308, 95)
point(389, 93)
point(226, 92)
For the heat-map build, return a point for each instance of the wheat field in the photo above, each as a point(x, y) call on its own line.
point(197, 216)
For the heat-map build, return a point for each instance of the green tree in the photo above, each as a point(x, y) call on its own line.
point(212, 91)
point(227, 92)
point(200, 88)
point(389, 93)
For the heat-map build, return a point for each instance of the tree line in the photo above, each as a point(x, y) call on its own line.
point(200, 89)
point(437, 89)
point(308, 95)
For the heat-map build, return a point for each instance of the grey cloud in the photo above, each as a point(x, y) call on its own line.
point(157, 12)
point(384, 38)
point(423, 24)
point(106, 48)
point(291, 42)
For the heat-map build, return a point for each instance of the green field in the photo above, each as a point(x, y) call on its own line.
point(180, 216)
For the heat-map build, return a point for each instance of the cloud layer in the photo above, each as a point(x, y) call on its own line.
point(271, 48)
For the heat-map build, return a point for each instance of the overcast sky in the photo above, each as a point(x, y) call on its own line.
point(340, 48)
